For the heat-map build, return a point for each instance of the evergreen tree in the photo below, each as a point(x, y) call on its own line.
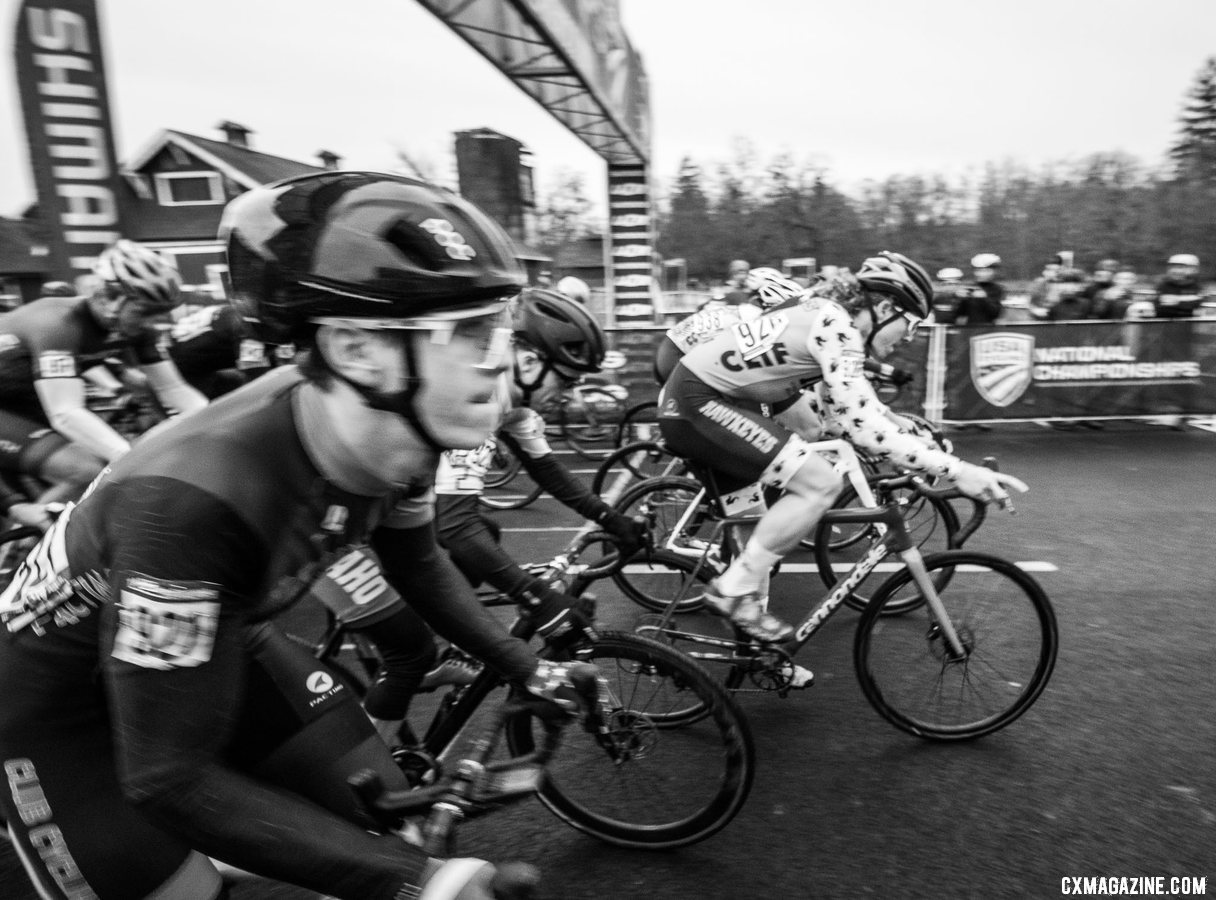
point(1194, 153)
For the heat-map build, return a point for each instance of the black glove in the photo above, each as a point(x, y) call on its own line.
point(562, 621)
point(630, 533)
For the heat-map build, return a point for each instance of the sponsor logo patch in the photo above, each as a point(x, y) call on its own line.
point(56, 364)
point(1001, 366)
point(166, 624)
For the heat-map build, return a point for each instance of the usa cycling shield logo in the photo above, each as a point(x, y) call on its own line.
point(1001, 366)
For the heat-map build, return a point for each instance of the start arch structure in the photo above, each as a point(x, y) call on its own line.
point(574, 59)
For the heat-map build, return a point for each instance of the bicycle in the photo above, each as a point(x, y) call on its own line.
point(681, 510)
point(928, 636)
point(672, 766)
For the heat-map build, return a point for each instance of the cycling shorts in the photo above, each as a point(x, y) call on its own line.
point(27, 442)
point(729, 437)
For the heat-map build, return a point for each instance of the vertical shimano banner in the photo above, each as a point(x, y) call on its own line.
point(1081, 370)
point(61, 80)
point(631, 244)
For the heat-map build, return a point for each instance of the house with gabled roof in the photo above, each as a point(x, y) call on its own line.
point(179, 184)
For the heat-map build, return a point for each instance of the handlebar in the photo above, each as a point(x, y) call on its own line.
point(918, 484)
point(472, 783)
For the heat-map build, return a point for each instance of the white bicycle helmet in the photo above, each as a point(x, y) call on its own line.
point(770, 288)
point(1184, 259)
point(142, 273)
point(949, 274)
point(985, 261)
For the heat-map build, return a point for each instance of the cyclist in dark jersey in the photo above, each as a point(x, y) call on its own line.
point(216, 350)
point(153, 715)
point(46, 347)
point(556, 340)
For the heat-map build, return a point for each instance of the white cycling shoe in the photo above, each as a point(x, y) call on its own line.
point(749, 613)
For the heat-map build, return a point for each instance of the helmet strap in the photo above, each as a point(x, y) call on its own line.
point(399, 402)
point(529, 388)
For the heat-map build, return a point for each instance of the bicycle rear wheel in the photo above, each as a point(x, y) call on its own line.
point(641, 459)
point(684, 759)
point(1009, 635)
point(640, 423)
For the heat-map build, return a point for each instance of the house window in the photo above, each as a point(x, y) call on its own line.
point(189, 188)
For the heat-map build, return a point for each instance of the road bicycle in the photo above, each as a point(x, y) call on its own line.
point(681, 511)
point(951, 646)
point(672, 764)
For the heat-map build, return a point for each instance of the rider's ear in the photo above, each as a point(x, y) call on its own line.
point(349, 352)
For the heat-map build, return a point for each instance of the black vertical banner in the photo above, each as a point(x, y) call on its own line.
point(61, 80)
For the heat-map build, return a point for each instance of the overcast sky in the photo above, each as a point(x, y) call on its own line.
point(867, 88)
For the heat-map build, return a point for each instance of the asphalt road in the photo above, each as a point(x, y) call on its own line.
point(1112, 773)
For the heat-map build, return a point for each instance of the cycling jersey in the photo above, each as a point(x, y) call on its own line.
point(58, 337)
point(135, 649)
point(463, 472)
point(215, 350)
point(704, 408)
point(708, 322)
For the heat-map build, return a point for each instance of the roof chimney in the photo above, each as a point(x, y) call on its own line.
point(236, 135)
point(329, 159)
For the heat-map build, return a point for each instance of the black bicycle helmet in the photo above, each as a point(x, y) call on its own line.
point(562, 331)
point(904, 281)
point(362, 245)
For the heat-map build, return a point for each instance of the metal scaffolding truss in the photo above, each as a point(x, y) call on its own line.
point(519, 43)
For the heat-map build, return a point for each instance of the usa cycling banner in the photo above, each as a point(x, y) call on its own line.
point(61, 80)
point(1080, 370)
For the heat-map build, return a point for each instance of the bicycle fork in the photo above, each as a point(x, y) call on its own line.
point(916, 566)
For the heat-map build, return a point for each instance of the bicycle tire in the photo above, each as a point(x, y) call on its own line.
point(682, 777)
point(656, 460)
point(642, 417)
point(931, 521)
point(661, 502)
point(505, 488)
point(592, 438)
point(1007, 626)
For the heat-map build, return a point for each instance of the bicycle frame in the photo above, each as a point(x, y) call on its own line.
point(893, 536)
point(847, 464)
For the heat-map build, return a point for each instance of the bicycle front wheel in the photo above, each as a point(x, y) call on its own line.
point(680, 760)
point(1009, 638)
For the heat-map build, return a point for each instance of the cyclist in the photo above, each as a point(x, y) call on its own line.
point(706, 413)
point(556, 340)
point(152, 712)
point(46, 429)
point(765, 287)
point(216, 351)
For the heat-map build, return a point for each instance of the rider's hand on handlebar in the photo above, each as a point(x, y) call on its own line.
point(474, 879)
point(630, 534)
point(985, 484)
point(561, 620)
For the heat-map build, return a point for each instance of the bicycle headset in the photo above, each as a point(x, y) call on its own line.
point(564, 334)
point(376, 250)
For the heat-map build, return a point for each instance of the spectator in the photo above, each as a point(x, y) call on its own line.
point(732, 292)
point(1059, 281)
point(1102, 277)
point(985, 305)
point(575, 289)
point(946, 292)
point(1178, 292)
point(1112, 302)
